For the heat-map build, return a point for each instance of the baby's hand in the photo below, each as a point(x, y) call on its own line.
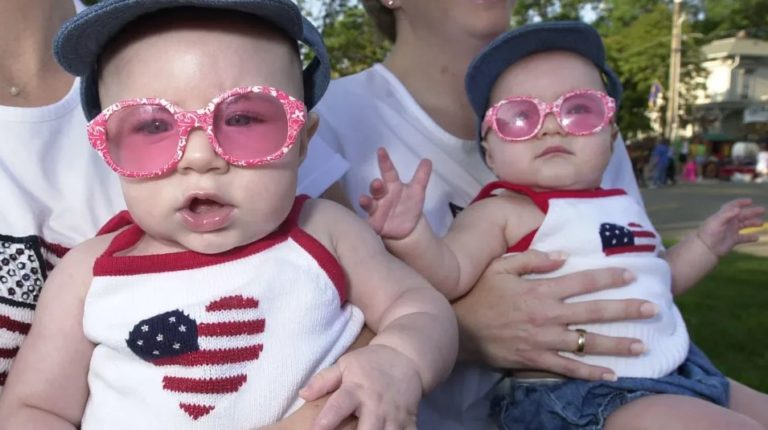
point(377, 383)
point(394, 207)
point(721, 231)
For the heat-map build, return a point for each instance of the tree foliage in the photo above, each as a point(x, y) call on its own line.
point(638, 48)
point(353, 41)
point(723, 18)
point(548, 10)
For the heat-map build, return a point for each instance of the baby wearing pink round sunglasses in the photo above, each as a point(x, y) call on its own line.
point(219, 294)
point(547, 136)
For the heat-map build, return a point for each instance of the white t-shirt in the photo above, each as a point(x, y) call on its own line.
point(372, 109)
point(57, 192)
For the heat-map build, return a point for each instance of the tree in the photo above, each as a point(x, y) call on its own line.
point(723, 18)
point(548, 10)
point(637, 35)
point(353, 41)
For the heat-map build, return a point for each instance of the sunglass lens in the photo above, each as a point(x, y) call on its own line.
point(251, 126)
point(582, 113)
point(517, 119)
point(142, 138)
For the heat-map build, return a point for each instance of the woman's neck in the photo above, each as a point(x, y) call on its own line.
point(433, 72)
point(29, 74)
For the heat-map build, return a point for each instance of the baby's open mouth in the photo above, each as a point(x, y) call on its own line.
point(204, 212)
point(203, 205)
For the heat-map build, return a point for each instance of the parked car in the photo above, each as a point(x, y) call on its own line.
point(741, 163)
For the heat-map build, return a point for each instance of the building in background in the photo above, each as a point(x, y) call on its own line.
point(734, 105)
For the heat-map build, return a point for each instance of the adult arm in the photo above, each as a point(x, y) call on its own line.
point(510, 322)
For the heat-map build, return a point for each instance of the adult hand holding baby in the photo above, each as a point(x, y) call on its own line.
point(532, 327)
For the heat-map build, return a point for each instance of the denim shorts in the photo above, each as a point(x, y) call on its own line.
point(577, 404)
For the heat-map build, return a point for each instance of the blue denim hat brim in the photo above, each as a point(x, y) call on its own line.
point(513, 46)
point(82, 39)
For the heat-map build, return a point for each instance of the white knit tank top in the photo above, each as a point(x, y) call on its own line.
point(607, 228)
point(193, 341)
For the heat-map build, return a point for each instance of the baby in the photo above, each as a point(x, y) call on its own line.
point(219, 294)
point(546, 102)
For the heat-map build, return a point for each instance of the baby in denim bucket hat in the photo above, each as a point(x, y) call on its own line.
point(546, 102)
point(220, 299)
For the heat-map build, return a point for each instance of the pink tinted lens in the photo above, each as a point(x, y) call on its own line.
point(517, 119)
point(142, 138)
point(582, 113)
point(251, 126)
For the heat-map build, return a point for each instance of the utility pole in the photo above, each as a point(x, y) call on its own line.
point(674, 72)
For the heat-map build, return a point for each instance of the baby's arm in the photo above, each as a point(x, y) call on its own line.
point(698, 253)
point(47, 387)
point(304, 416)
point(416, 344)
point(395, 211)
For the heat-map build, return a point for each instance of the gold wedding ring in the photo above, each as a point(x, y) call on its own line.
point(582, 342)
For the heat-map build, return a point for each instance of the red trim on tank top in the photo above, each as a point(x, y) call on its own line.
point(318, 251)
point(541, 200)
point(120, 220)
point(108, 264)
point(523, 244)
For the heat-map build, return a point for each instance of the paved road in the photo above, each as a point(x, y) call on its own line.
point(676, 210)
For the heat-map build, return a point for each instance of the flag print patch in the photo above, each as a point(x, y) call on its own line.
point(618, 239)
point(205, 356)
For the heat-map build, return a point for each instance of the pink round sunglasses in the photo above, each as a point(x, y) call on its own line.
point(579, 112)
point(246, 126)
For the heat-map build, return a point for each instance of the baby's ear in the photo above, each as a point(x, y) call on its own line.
point(487, 153)
point(614, 131)
point(310, 127)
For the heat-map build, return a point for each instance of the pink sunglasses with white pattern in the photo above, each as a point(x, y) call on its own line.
point(247, 126)
point(579, 113)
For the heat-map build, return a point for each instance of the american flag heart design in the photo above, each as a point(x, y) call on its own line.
point(618, 239)
point(206, 360)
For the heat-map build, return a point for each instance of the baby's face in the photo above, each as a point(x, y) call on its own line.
point(206, 204)
point(552, 158)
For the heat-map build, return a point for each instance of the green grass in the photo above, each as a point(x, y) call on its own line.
point(727, 317)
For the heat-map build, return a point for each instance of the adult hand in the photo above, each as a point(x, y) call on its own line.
point(510, 322)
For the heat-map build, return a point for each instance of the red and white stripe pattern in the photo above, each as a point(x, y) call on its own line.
point(15, 321)
point(213, 363)
point(52, 253)
point(24, 266)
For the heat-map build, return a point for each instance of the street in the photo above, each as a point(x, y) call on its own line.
point(677, 209)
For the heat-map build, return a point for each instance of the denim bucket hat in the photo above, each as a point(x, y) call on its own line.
point(81, 40)
point(513, 46)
